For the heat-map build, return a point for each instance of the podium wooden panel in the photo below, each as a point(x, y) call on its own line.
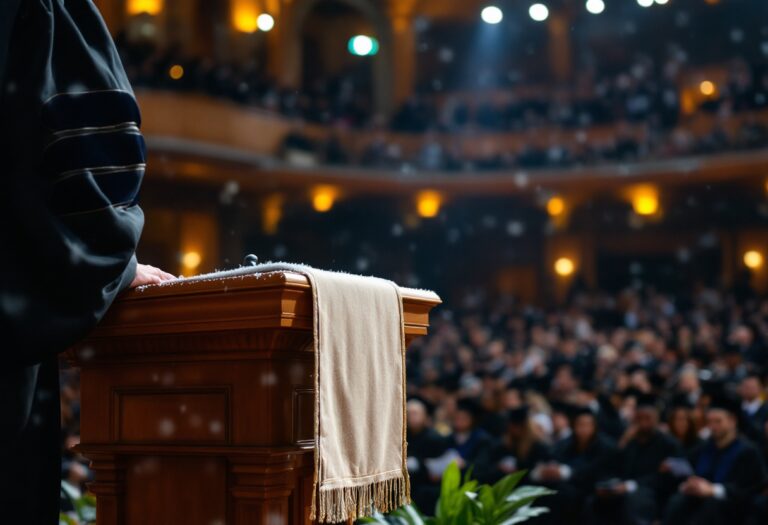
point(197, 401)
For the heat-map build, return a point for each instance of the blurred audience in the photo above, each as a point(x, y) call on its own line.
point(626, 404)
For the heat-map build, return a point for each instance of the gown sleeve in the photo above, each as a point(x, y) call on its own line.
point(71, 164)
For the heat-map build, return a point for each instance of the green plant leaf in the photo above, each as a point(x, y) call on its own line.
point(521, 497)
point(448, 505)
point(463, 501)
point(412, 515)
point(524, 514)
point(376, 518)
point(486, 506)
point(451, 478)
point(66, 520)
point(507, 484)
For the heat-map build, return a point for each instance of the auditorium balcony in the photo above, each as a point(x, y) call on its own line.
point(237, 143)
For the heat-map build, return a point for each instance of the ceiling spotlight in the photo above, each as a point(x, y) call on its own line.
point(539, 12)
point(595, 6)
point(645, 3)
point(492, 15)
point(662, 2)
point(362, 45)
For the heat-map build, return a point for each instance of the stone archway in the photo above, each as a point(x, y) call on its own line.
point(383, 66)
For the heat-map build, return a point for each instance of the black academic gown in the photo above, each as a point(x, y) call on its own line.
point(71, 162)
point(490, 461)
point(567, 505)
point(739, 468)
point(639, 461)
point(422, 446)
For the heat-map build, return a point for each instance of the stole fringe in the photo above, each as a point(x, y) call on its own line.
point(344, 503)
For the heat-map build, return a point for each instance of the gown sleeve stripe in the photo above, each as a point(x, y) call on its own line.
point(95, 190)
point(89, 109)
point(94, 150)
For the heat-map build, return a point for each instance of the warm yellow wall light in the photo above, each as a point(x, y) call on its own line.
point(271, 213)
point(645, 200)
point(428, 203)
point(323, 198)
point(245, 16)
point(564, 267)
point(191, 259)
point(176, 72)
point(707, 88)
point(555, 206)
point(753, 259)
point(137, 7)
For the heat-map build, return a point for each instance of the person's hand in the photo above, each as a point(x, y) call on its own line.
point(550, 472)
point(628, 435)
point(621, 488)
point(698, 487)
point(146, 274)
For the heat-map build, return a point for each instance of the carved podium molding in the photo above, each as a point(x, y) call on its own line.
point(197, 401)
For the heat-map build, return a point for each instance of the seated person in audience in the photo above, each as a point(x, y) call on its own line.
point(467, 439)
point(681, 423)
point(578, 461)
point(518, 449)
point(727, 473)
point(423, 443)
point(631, 485)
point(754, 409)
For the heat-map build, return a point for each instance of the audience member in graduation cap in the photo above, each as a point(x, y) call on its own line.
point(72, 161)
point(632, 484)
point(518, 449)
point(728, 472)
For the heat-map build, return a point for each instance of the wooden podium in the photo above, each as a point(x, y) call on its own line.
point(197, 401)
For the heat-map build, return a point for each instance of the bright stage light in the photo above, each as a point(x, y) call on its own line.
point(265, 22)
point(595, 6)
point(492, 15)
point(539, 12)
point(645, 3)
point(362, 45)
point(662, 2)
point(564, 267)
point(753, 259)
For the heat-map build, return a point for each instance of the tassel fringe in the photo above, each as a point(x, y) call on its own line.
point(344, 503)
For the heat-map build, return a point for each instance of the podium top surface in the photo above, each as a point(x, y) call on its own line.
point(226, 281)
point(232, 301)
